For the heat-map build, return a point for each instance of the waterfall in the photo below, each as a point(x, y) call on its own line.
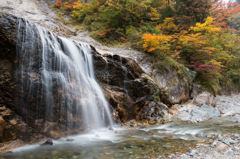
point(57, 79)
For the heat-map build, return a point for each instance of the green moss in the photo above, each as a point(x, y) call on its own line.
point(145, 79)
point(154, 98)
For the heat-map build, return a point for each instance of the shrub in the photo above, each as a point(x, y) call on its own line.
point(58, 4)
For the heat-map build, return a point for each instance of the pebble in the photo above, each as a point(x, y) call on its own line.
point(229, 141)
point(215, 142)
point(219, 138)
point(193, 152)
point(235, 136)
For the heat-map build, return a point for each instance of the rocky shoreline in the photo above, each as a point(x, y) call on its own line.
point(226, 145)
point(222, 147)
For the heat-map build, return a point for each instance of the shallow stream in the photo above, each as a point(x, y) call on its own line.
point(134, 142)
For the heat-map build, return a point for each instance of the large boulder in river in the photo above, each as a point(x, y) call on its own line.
point(154, 113)
point(193, 113)
point(205, 112)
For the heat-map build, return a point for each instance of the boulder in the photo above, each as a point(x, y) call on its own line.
point(192, 152)
point(197, 88)
point(155, 113)
point(228, 141)
point(47, 142)
point(182, 116)
point(205, 112)
point(221, 146)
point(174, 88)
point(204, 98)
point(229, 152)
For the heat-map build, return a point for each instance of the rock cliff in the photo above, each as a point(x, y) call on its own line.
point(133, 89)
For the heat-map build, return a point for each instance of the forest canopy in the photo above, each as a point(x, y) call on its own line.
point(201, 35)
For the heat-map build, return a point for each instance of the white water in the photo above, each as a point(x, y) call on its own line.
point(66, 81)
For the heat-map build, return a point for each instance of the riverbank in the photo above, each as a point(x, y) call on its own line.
point(213, 138)
point(222, 146)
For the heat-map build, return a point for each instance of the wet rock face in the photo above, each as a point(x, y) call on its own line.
point(126, 86)
point(128, 89)
point(2, 126)
point(174, 89)
point(22, 97)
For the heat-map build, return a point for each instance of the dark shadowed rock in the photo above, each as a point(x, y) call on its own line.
point(126, 86)
point(2, 126)
point(47, 142)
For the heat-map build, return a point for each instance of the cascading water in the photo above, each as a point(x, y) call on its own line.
point(58, 82)
point(125, 79)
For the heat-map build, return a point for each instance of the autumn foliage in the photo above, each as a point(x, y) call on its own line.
point(58, 4)
point(200, 35)
point(153, 42)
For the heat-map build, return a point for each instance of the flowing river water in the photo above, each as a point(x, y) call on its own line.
point(158, 141)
